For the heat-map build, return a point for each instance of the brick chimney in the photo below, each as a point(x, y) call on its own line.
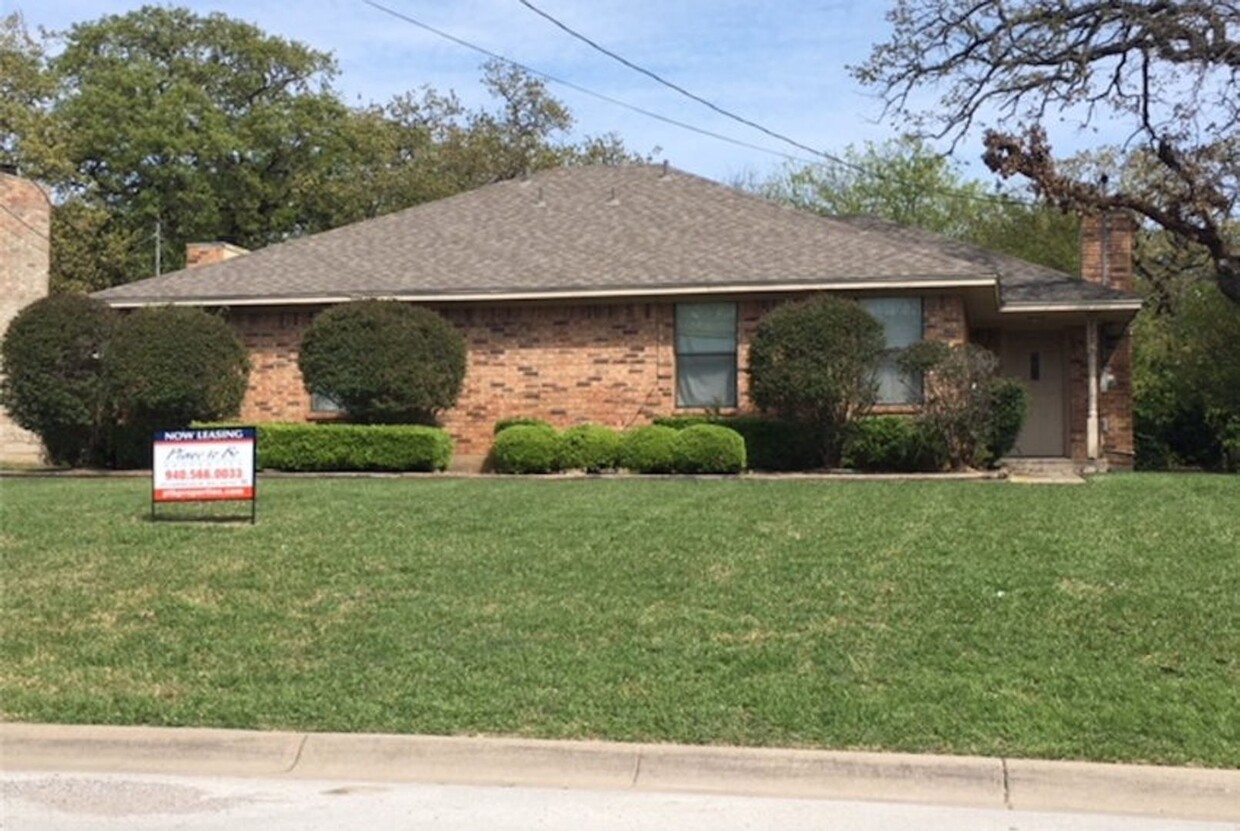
point(1106, 249)
point(209, 253)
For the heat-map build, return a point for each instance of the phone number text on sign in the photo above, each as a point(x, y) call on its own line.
point(203, 465)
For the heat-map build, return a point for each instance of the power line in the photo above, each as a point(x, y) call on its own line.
point(738, 118)
point(648, 73)
point(832, 160)
point(38, 234)
point(600, 96)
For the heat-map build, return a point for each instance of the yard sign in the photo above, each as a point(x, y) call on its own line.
point(204, 466)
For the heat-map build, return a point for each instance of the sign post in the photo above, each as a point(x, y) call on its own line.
point(205, 465)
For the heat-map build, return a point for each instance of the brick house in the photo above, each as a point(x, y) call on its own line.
point(613, 294)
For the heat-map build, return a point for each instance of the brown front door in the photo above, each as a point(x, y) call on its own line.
point(1036, 359)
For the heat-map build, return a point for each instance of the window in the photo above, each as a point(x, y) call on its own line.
point(901, 320)
point(706, 355)
point(320, 403)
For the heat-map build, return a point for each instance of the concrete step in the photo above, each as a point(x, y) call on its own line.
point(1050, 469)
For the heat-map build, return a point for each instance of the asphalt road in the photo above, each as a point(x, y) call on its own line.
point(144, 802)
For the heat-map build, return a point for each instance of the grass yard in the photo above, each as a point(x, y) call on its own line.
point(1093, 622)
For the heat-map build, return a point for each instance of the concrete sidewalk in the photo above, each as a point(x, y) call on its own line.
point(1016, 784)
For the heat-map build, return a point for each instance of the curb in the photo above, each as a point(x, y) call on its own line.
point(968, 781)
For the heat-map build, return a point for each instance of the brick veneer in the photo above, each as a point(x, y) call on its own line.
point(1106, 258)
point(24, 245)
point(607, 363)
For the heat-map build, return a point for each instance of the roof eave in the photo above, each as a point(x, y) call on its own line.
point(562, 294)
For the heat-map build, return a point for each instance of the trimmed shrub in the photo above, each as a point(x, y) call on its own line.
point(649, 449)
point(524, 421)
point(893, 444)
point(324, 447)
point(171, 365)
point(815, 362)
point(1009, 405)
point(527, 448)
point(590, 447)
point(53, 377)
point(384, 362)
point(774, 444)
point(709, 448)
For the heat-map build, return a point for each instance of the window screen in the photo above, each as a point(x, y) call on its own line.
point(901, 320)
point(706, 355)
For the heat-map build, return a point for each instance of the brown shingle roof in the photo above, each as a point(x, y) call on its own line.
point(586, 230)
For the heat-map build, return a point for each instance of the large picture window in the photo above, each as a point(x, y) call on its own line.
point(706, 355)
point(901, 320)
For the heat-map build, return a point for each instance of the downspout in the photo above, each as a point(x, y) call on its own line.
point(1091, 421)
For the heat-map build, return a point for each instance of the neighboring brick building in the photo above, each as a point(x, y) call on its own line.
point(614, 294)
point(25, 229)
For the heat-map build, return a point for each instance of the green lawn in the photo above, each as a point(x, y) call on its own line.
point(1093, 622)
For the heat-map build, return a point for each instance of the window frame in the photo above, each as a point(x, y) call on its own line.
point(916, 386)
point(733, 355)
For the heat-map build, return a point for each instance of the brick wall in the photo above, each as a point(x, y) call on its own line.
point(25, 229)
point(1107, 242)
point(606, 363)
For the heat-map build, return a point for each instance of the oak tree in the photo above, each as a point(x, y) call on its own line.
point(1168, 71)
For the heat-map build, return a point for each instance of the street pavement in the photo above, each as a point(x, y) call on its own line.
point(75, 777)
point(42, 801)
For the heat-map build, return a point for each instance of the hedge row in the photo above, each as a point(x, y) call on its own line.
point(772, 444)
point(525, 447)
point(379, 447)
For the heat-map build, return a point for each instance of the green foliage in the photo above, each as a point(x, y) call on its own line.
point(649, 449)
point(815, 362)
point(964, 392)
point(384, 361)
point(53, 382)
point(771, 444)
point(905, 180)
point(709, 448)
point(1009, 407)
point(895, 444)
point(168, 366)
point(225, 132)
point(1186, 377)
point(527, 448)
point(590, 447)
point(324, 447)
point(504, 423)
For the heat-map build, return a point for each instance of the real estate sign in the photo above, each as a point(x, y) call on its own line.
point(201, 465)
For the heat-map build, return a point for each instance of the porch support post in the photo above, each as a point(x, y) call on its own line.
point(1091, 422)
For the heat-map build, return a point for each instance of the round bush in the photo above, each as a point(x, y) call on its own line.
point(649, 449)
point(590, 447)
point(527, 448)
point(170, 365)
point(815, 362)
point(53, 377)
point(709, 448)
point(384, 362)
point(504, 423)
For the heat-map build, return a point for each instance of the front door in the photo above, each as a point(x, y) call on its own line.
point(1036, 359)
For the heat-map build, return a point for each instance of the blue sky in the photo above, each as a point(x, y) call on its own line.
point(781, 64)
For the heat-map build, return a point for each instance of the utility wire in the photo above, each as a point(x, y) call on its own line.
point(830, 160)
point(649, 74)
point(733, 116)
point(38, 234)
point(600, 96)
